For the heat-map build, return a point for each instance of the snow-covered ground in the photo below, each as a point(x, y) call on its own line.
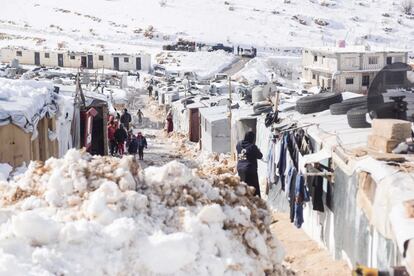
point(84, 215)
point(5, 170)
point(284, 69)
point(132, 24)
point(203, 64)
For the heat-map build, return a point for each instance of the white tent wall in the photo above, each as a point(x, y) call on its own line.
point(206, 136)
point(343, 228)
point(263, 135)
point(180, 118)
point(8, 54)
point(221, 136)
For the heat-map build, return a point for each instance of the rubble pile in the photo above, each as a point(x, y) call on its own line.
point(216, 164)
point(93, 215)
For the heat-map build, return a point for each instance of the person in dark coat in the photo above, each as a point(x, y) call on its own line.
point(126, 119)
point(150, 91)
point(169, 123)
point(142, 143)
point(133, 145)
point(120, 137)
point(247, 155)
point(140, 115)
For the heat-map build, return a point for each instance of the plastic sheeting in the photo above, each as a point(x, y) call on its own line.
point(24, 103)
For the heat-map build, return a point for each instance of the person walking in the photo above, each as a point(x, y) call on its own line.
point(133, 145)
point(138, 76)
point(169, 122)
point(130, 135)
point(126, 118)
point(150, 90)
point(117, 115)
point(120, 138)
point(247, 155)
point(140, 115)
point(111, 137)
point(142, 143)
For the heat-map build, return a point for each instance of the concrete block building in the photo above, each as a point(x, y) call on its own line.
point(350, 68)
point(89, 60)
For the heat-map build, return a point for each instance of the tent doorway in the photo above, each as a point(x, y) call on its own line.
point(138, 63)
point(37, 58)
point(83, 62)
point(90, 61)
point(60, 60)
point(116, 63)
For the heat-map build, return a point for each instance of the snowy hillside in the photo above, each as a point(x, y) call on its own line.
point(124, 24)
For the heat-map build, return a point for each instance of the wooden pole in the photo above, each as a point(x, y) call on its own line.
point(230, 118)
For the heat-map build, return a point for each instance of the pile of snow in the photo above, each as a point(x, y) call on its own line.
point(118, 96)
point(283, 68)
point(104, 216)
point(25, 102)
point(204, 64)
point(5, 170)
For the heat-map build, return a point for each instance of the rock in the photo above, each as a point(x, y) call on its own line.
point(320, 22)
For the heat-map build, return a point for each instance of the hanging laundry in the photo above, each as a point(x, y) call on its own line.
point(315, 184)
point(301, 196)
point(271, 166)
point(282, 160)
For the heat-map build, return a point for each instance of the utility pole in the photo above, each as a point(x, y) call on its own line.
point(186, 90)
point(230, 117)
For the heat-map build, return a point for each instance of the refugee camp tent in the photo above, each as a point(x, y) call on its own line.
point(93, 124)
point(27, 121)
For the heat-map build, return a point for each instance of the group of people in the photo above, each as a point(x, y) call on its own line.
point(122, 138)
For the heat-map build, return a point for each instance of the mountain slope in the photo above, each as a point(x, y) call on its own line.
point(119, 24)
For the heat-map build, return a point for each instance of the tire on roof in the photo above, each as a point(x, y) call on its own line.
point(317, 103)
point(383, 111)
point(344, 106)
point(357, 117)
point(262, 109)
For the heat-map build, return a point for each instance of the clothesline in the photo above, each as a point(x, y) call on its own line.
point(299, 127)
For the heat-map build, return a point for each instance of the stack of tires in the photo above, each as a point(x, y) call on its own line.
point(317, 103)
point(262, 107)
point(357, 117)
point(355, 110)
point(346, 105)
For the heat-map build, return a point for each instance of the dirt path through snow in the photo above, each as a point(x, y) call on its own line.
point(303, 255)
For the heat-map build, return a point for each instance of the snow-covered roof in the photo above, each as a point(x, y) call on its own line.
point(355, 49)
point(215, 113)
point(25, 102)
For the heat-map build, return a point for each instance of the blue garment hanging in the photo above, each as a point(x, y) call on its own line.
point(301, 196)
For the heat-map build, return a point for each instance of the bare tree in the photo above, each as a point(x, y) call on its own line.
point(407, 6)
point(163, 3)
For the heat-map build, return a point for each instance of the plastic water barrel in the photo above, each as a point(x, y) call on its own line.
point(257, 94)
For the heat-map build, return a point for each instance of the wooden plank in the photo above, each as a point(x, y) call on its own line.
point(15, 145)
point(53, 145)
point(35, 154)
point(42, 139)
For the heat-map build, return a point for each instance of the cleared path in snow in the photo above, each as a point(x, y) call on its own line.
point(160, 149)
point(235, 67)
point(303, 255)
